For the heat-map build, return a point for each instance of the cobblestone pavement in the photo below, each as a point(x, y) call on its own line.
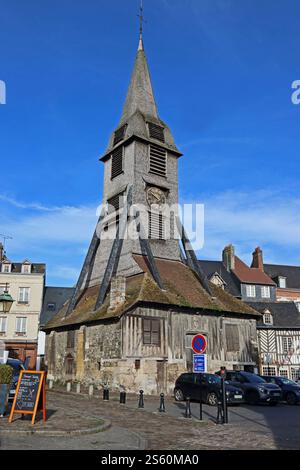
point(249, 428)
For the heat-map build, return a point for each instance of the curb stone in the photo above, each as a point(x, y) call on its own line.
point(52, 433)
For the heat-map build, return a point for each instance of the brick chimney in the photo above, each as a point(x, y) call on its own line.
point(228, 257)
point(117, 292)
point(257, 261)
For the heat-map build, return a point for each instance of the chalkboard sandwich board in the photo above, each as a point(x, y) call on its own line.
point(30, 394)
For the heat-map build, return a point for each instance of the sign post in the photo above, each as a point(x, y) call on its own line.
point(199, 345)
point(30, 395)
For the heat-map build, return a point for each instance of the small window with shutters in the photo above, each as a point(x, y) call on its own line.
point(158, 160)
point(232, 338)
point(151, 331)
point(117, 162)
point(156, 226)
point(120, 134)
point(156, 132)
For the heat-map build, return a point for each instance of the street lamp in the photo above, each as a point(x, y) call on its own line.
point(6, 301)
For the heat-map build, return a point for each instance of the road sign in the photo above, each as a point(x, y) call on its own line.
point(199, 344)
point(199, 363)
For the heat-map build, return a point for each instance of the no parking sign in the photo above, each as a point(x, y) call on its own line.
point(199, 344)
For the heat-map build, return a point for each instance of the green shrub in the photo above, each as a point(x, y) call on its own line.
point(6, 373)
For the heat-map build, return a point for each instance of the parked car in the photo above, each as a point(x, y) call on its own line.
point(188, 385)
point(256, 389)
point(17, 366)
point(290, 389)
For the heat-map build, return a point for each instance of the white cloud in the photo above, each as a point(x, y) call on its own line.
point(247, 219)
point(60, 236)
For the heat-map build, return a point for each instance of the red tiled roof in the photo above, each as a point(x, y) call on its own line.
point(251, 275)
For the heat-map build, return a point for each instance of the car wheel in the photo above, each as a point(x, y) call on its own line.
point(291, 398)
point(212, 399)
point(178, 394)
point(252, 398)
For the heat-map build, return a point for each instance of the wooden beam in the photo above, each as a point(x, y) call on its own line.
point(146, 247)
point(114, 256)
point(192, 258)
point(94, 245)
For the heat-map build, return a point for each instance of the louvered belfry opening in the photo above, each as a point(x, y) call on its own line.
point(117, 162)
point(116, 202)
point(156, 226)
point(156, 132)
point(120, 134)
point(158, 160)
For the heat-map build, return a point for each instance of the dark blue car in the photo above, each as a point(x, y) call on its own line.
point(17, 366)
point(290, 390)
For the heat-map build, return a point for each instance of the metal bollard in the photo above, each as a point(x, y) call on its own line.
point(220, 416)
point(106, 394)
point(68, 386)
point(50, 384)
point(78, 387)
point(162, 408)
point(188, 413)
point(91, 390)
point(123, 397)
point(141, 399)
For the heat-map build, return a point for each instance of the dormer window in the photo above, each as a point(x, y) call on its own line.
point(26, 268)
point(282, 282)
point(268, 317)
point(265, 292)
point(250, 291)
point(6, 268)
point(218, 281)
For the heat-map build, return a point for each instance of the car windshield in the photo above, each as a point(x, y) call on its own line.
point(214, 379)
point(287, 381)
point(255, 378)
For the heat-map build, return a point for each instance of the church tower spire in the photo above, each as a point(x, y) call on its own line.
point(140, 96)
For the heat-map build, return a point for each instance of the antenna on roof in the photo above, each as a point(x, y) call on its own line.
point(5, 237)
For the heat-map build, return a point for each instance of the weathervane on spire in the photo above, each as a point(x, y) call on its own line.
point(142, 21)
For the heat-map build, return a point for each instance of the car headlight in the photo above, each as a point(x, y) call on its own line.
point(228, 393)
point(262, 390)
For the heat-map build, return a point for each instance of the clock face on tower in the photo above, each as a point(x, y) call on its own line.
point(155, 196)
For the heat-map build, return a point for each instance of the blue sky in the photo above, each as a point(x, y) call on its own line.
point(222, 72)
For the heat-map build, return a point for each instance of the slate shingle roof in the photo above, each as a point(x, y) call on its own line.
point(57, 296)
point(292, 274)
point(285, 314)
point(36, 268)
point(212, 267)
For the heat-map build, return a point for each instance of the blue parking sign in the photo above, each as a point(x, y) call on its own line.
point(199, 363)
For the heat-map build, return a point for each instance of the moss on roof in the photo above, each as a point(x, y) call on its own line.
point(182, 288)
